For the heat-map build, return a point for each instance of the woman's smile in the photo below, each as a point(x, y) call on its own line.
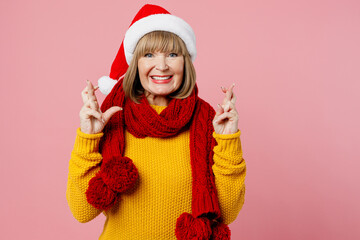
point(161, 79)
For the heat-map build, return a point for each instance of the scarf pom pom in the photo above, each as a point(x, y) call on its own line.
point(188, 227)
point(99, 195)
point(221, 231)
point(119, 173)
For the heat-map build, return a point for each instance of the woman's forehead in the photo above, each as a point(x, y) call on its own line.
point(161, 47)
point(160, 42)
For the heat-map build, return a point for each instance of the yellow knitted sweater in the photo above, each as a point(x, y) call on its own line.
point(164, 188)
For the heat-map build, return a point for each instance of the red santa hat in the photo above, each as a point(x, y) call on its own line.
point(149, 18)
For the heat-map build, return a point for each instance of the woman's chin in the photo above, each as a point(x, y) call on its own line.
point(161, 95)
point(161, 92)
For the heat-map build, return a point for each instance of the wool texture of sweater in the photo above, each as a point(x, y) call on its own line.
point(163, 191)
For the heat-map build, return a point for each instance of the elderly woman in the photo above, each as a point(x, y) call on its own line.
point(156, 159)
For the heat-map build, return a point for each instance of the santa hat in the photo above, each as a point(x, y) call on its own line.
point(149, 18)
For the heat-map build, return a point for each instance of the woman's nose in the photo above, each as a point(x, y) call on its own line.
point(161, 64)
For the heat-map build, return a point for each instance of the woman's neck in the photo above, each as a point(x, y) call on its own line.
point(157, 100)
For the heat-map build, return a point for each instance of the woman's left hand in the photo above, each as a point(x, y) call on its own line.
point(226, 118)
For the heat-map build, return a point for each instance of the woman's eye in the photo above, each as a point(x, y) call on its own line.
point(148, 55)
point(173, 55)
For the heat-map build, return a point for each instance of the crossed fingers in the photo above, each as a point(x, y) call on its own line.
point(88, 96)
point(228, 104)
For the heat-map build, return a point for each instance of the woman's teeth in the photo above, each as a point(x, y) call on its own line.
point(161, 78)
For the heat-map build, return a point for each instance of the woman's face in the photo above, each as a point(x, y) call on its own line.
point(161, 73)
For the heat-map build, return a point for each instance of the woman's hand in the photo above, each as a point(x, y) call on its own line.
point(226, 118)
point(92, 120)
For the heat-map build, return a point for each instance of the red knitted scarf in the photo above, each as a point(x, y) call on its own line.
point(118, 173)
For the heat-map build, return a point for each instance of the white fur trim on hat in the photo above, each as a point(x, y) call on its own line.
point(159, 22)
point(106, 84)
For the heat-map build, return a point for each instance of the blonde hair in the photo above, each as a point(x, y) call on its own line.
point(164, 42)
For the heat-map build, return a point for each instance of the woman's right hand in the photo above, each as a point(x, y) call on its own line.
point(92, 120)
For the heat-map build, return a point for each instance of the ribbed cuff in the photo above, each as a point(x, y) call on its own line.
point(87, 143)
point(228, 142)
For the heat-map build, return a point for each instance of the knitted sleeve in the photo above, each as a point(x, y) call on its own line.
point(83, 165)
point(229, 169)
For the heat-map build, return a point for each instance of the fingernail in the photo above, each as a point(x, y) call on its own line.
point(219, 106)
point(102, 120)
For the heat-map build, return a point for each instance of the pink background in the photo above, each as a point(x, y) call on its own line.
point(296, 66)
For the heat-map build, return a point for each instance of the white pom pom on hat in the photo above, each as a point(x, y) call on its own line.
point(149, 18)
point(105, 84)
